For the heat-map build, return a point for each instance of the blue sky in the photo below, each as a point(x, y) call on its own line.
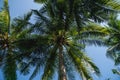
point(1, 4)
point(98, 54)
point(19, 7)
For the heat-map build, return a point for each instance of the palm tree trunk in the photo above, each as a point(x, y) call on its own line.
point(62, 70)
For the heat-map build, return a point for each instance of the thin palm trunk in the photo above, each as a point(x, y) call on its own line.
point(62, 70)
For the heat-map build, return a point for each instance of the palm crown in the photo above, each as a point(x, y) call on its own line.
point(57, 38)
point(56, 47)
point(8, 40)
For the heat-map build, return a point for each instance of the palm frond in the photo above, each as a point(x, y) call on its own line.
point(117, 59)
point(4, 21)
point(69, 66)
point(24, 67)
point(94, 68)
point(36, 70)
point(9, 68)
point(50, 64)
point(21, 23)
point(92, 34)
point(79, 64)
point(114, 48)
point(112, 51)
point(40, 1)
point(38, 28)
point(115, 4)
point(115, 71)
point(40, 16)
point(96, 42)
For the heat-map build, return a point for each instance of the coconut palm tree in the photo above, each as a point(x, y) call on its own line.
point(58, 48)
point(8, 38)
point(62, 38)
point(9, 71)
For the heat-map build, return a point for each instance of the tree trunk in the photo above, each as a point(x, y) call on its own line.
point(62, 70)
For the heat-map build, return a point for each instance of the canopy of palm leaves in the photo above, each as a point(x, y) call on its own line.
point(57, 38)
point(53, 45)
point(114, 39)
point(8, 54)
point(60, 35)
point(84, 9)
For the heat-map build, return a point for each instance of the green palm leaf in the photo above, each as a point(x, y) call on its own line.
point(10, 68)
point(50, 65)
point(36, 70)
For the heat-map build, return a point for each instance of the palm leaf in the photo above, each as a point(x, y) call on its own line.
point(36, 70)
point(49, 68)
point(24, 67)
point(10, 68)
point(79, 63)
point(40, 1)
point(69, 66)
point(92, 65)
point(80, 66)
point(96, 42)
point(21, 23)
point(40, 16)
